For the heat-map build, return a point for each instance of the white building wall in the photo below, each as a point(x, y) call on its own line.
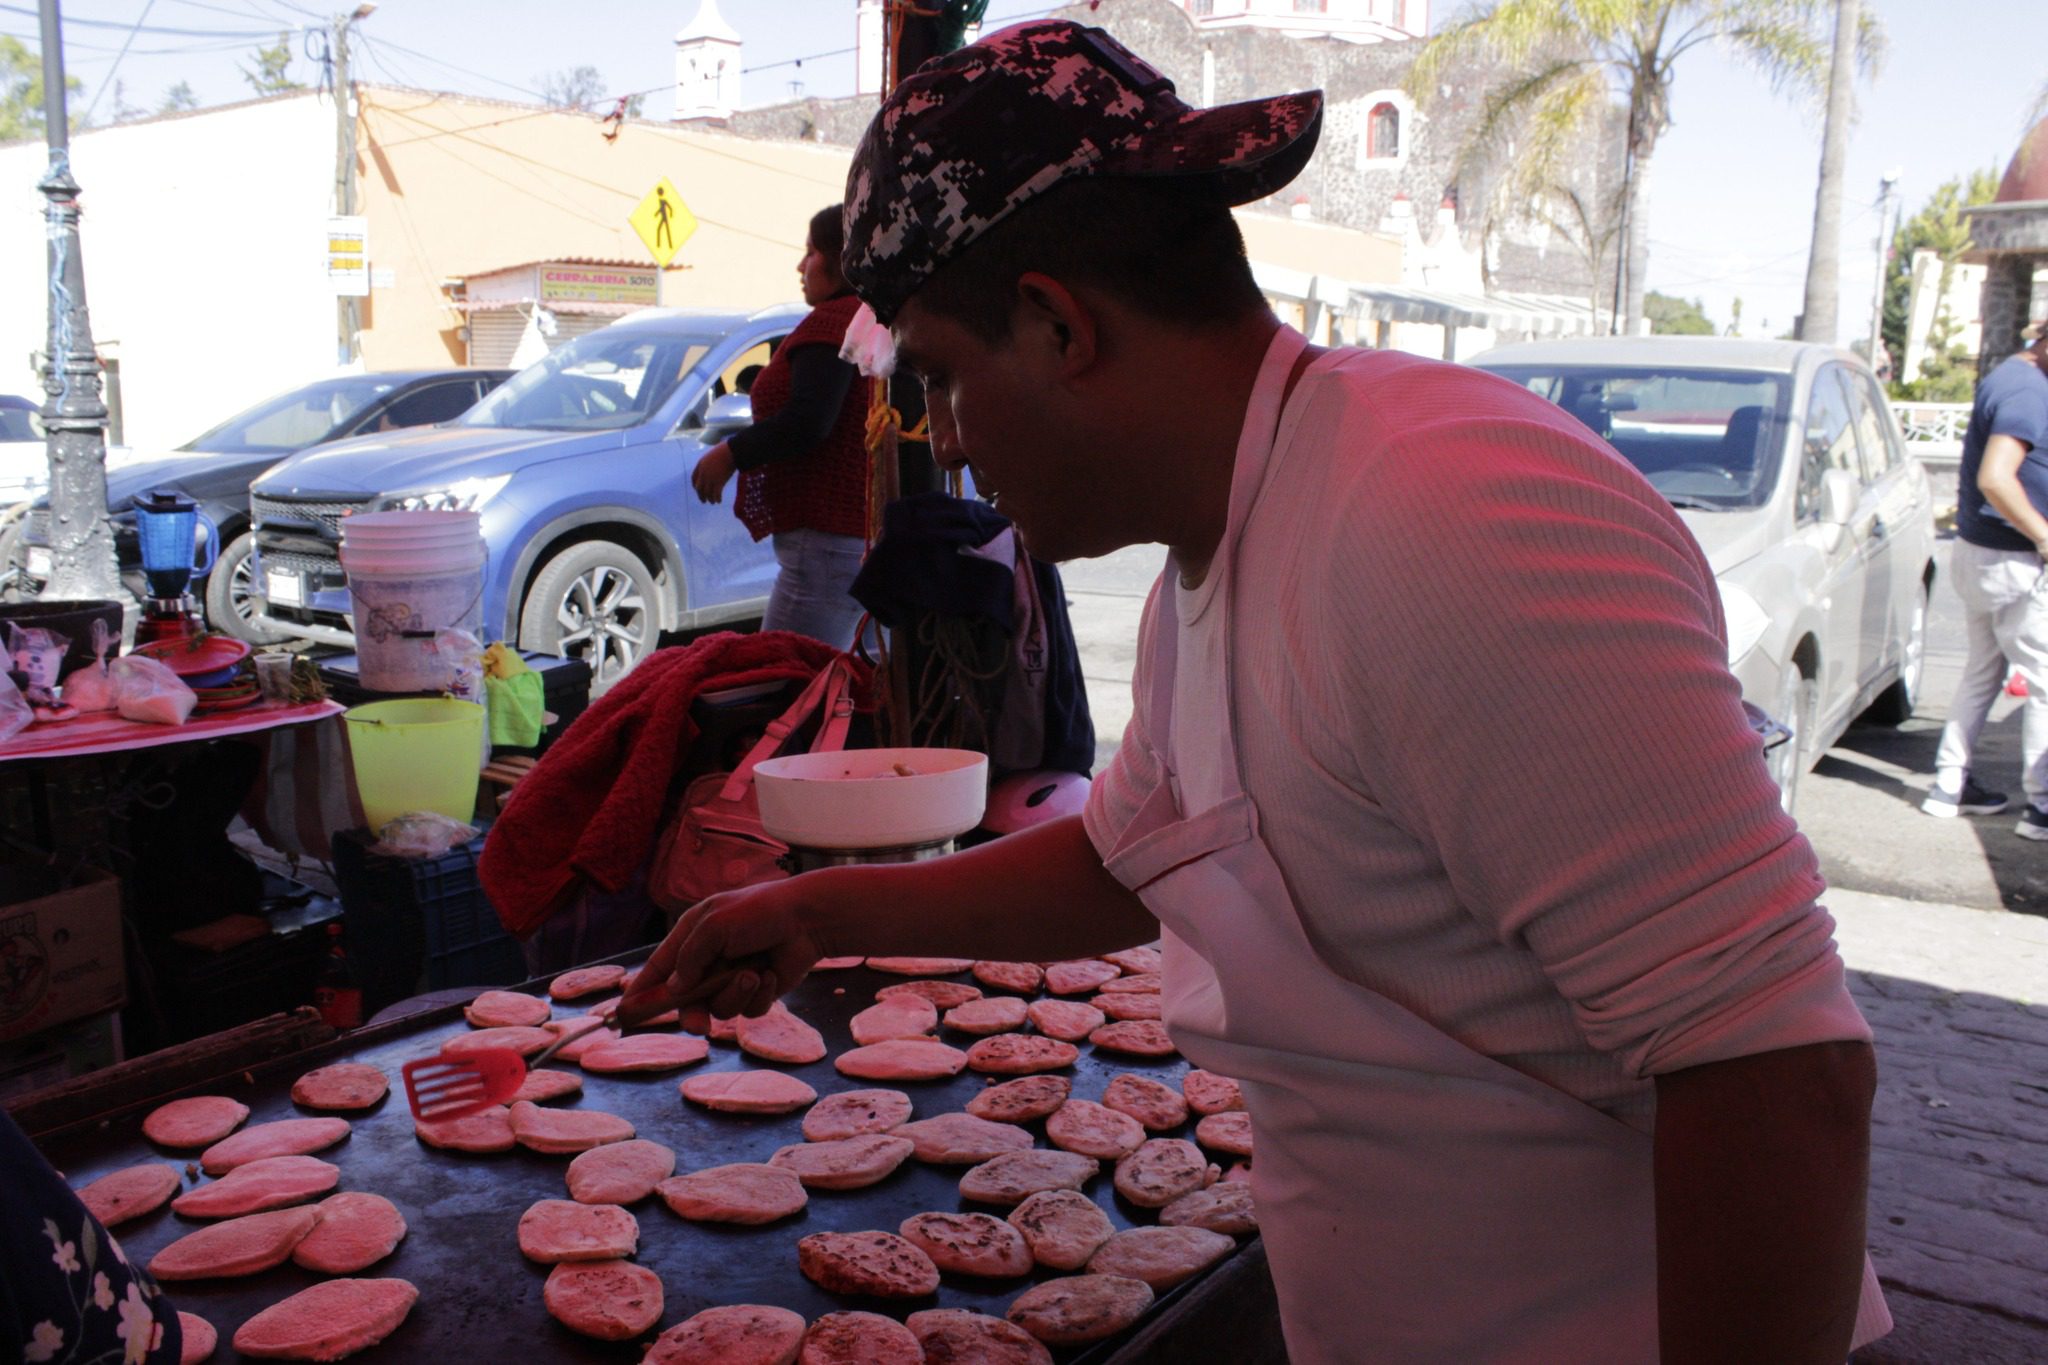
point(205, 271)
point(1966, 284)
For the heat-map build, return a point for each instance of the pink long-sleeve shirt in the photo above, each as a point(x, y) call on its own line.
point(1484, 709)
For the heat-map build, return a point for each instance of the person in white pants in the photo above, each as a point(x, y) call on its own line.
point(1999, 572)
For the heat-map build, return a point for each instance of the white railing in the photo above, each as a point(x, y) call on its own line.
point(1933, 424)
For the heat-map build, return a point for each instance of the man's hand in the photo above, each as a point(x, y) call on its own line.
point(731, 954)
point(1762, 1164)
point(712, 473)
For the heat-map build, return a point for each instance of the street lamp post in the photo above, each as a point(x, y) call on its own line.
point(75, 416)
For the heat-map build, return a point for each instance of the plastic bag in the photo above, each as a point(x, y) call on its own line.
point(89, 688)
point(421, 834)
point(37, 653)
point(15, 715)
point(145, 690)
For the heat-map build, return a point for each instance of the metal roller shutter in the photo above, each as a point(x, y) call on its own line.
point(494, 335)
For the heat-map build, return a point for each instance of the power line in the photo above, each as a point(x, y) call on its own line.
point(108, 79)
point(478, 75)
point(171, 32)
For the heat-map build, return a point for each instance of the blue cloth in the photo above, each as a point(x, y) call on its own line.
point(2010, 401)
point(67, 1292)
point(923, 565)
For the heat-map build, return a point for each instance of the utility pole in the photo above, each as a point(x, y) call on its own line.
point(348, 317)
point(1887, 201)
point(75, 417)
point(1823, 261)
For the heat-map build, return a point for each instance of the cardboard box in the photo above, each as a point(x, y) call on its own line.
point(60, 948)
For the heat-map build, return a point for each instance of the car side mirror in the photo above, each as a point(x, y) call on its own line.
point(1839, 491)
point(728, 414)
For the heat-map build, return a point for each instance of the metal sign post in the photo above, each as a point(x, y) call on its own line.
point(75, 417)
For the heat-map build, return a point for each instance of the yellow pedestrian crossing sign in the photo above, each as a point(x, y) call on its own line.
point(663, 221)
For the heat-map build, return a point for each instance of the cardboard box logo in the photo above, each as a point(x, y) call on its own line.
point(24, 969)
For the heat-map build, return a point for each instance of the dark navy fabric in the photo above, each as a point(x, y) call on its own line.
point(67, 1292)
point(2011, 401)
point(920, 566)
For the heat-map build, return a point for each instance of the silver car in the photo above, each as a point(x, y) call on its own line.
point(1785, 460)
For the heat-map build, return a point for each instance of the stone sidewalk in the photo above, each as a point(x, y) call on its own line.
point(1958, 1000)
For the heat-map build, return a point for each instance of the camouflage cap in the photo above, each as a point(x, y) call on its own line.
point(976, 134)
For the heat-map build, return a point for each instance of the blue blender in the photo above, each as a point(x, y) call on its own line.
point(167, 526)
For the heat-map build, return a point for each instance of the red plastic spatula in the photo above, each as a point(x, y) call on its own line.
point(441, 1088)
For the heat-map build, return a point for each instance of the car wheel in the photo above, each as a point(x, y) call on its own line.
point(595, 602)
point(1798, 702)
point(1894, 705)
point(231, 596)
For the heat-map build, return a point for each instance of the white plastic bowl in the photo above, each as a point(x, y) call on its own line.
point(859, 799)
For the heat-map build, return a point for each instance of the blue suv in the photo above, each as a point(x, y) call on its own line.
point(580, 466)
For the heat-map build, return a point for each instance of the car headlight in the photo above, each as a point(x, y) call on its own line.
point(1747, 621)
point(466, 495)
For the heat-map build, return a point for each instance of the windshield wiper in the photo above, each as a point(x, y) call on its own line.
point(1694, 504)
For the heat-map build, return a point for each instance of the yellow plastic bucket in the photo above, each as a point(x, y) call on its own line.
point(416, 755)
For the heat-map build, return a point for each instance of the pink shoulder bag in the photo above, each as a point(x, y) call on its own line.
point(716, 843)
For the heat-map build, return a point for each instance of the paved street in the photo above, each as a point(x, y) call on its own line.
point(1944, 926)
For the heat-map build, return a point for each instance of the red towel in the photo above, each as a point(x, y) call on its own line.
point(592, 807)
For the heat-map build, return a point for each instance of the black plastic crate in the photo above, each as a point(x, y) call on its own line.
point(565, 691)
point(413, 924)
point(202, 992)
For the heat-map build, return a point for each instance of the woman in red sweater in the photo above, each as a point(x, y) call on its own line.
point(803, 465)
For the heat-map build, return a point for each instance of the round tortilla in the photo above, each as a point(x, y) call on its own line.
point(1063, 1228)
point(1024, 978)
point(560, 1132)
point(487, 1130)
point(969, 1244)
point(356, 1230)
point(199, 1121)
point(1019, 1101)
point(1161, 1256)
point(332, 1319)
point(1139, 1037)
point(895, 1016)
point(556, 1230)
point(1070, 1021)
point(619, 1172)
point(1209, 1093)
point(131, 1192)
point(735, 1334)
point(1020, 1054)
point(546, 1084)
point(286, 1137)
point(1078, 978)
point(1015, 1176)
point(1094, 1130)
point(962, 1139)
point(745, 1192)
point(956, 1336)
point(943, 994)
point(848, 1164)
point(609, 1300)
point(197, 1339)
point(646, 1052)
point(1230, 1132)
point(274, 1182)
point(1080, 1308)
point(901, 1059)
point(1161, 1171)
point(878, 1263)
point(1156, 1105)
point(850, 1113)
point(860, 1339)
point(345, 1086)
point(507, 1009)
point(995, 1014)
point(239, 1246)
point(585, 981)
point(749, 1092)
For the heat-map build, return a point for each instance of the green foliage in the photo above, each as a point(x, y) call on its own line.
point(573, 89)
point(178, 99)
point(21, 91)
point(272, 75)
point(1937, 227)
point(1677, 317)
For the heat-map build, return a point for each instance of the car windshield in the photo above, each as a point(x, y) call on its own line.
point(18, 424)
point(294, 420)
point(601, 381)
point(1704, 438)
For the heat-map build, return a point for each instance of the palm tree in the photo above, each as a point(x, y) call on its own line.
point(1565, 62)
point(1824, 258)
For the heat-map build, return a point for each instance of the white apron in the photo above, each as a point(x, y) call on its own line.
point(1419, 1201)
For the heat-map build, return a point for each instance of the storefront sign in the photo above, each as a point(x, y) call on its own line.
point(633, 285)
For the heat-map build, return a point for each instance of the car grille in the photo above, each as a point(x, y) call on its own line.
point(327, 515)
point(314, 567)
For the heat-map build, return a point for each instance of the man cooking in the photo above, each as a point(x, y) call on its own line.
point(1437, 791)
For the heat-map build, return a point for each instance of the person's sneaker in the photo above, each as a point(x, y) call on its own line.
point(1972, 800)
point(2033, 823)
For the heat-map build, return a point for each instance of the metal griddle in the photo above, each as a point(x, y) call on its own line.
point(480, 1299)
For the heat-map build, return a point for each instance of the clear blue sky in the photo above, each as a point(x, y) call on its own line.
point(1732, 182)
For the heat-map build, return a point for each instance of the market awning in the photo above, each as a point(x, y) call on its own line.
point(1534, 314)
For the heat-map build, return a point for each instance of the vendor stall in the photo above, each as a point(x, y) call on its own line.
point(480, 1299)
